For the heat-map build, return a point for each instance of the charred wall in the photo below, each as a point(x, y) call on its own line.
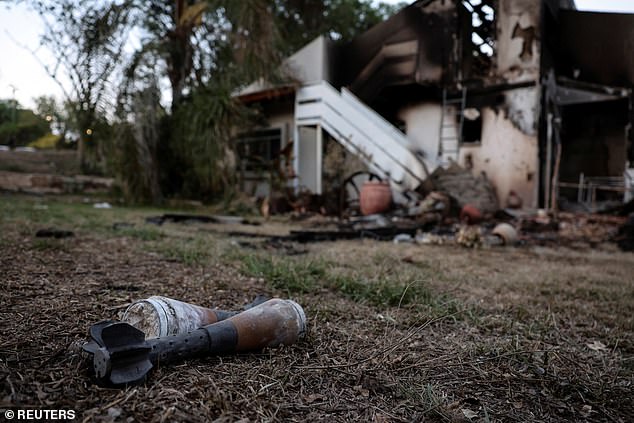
point(412, 47)
point(592, 53)
point(592, 137)
point(518, 47)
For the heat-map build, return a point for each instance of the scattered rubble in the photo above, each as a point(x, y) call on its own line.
point(54, 233)
point(455, 207)
point(506, 232)
point(460, 184)
point(102, 205)
point(439, 219)
point(189, 218)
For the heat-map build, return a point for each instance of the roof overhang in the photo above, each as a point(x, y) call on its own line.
point(272, 93)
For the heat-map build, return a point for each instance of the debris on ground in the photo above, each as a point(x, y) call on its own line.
point(278, 244)
point(432, 209)
point(505, 228)
point(54, 233)
point(191, 218)
point(460, 184)
point(506, 232)
point(403, 238)
point(469, 236)
point(470, 214)
point(462, 209)
point(102, 205)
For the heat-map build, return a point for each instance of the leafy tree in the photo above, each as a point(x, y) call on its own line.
point(303, 20)
point(54, 112)
point(87, 38)
point(20, 126)
point(193, 42)
point(6, 111)
point(138, 136)
point(205, 50)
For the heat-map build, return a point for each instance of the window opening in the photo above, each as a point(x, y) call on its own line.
point(471, 126)
point(257, 149)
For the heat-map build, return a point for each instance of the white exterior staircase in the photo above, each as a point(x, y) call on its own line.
point(363, 132)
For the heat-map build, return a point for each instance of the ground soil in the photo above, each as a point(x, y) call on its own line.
point(500, 334)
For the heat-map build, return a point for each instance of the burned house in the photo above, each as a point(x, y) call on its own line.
point(535, 95)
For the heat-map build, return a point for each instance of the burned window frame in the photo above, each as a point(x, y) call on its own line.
point(470, 127)
point(478, 19)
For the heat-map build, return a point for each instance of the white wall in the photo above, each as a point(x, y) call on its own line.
point(422, 121)
point(309, 158)
point(311, 62)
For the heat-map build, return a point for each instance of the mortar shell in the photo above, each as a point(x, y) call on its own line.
point(161, 316)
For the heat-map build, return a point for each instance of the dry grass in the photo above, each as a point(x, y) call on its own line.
point(398, 332)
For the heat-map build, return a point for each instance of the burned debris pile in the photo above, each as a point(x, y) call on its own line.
point(455, 207)
point(460, 184)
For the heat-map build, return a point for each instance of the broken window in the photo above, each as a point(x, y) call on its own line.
point(471, 126)
point(479, 39)
point(259, 148)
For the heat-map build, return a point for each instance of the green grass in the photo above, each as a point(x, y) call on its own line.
point(386, 292)
point(300, 276)
point(144, 233)
point(290, 276)
point(30, 213)
point(190, 251)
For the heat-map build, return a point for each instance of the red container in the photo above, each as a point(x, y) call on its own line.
point(470, 214)
point(375, 197)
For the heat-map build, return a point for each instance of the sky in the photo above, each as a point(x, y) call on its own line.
point(22, 76)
